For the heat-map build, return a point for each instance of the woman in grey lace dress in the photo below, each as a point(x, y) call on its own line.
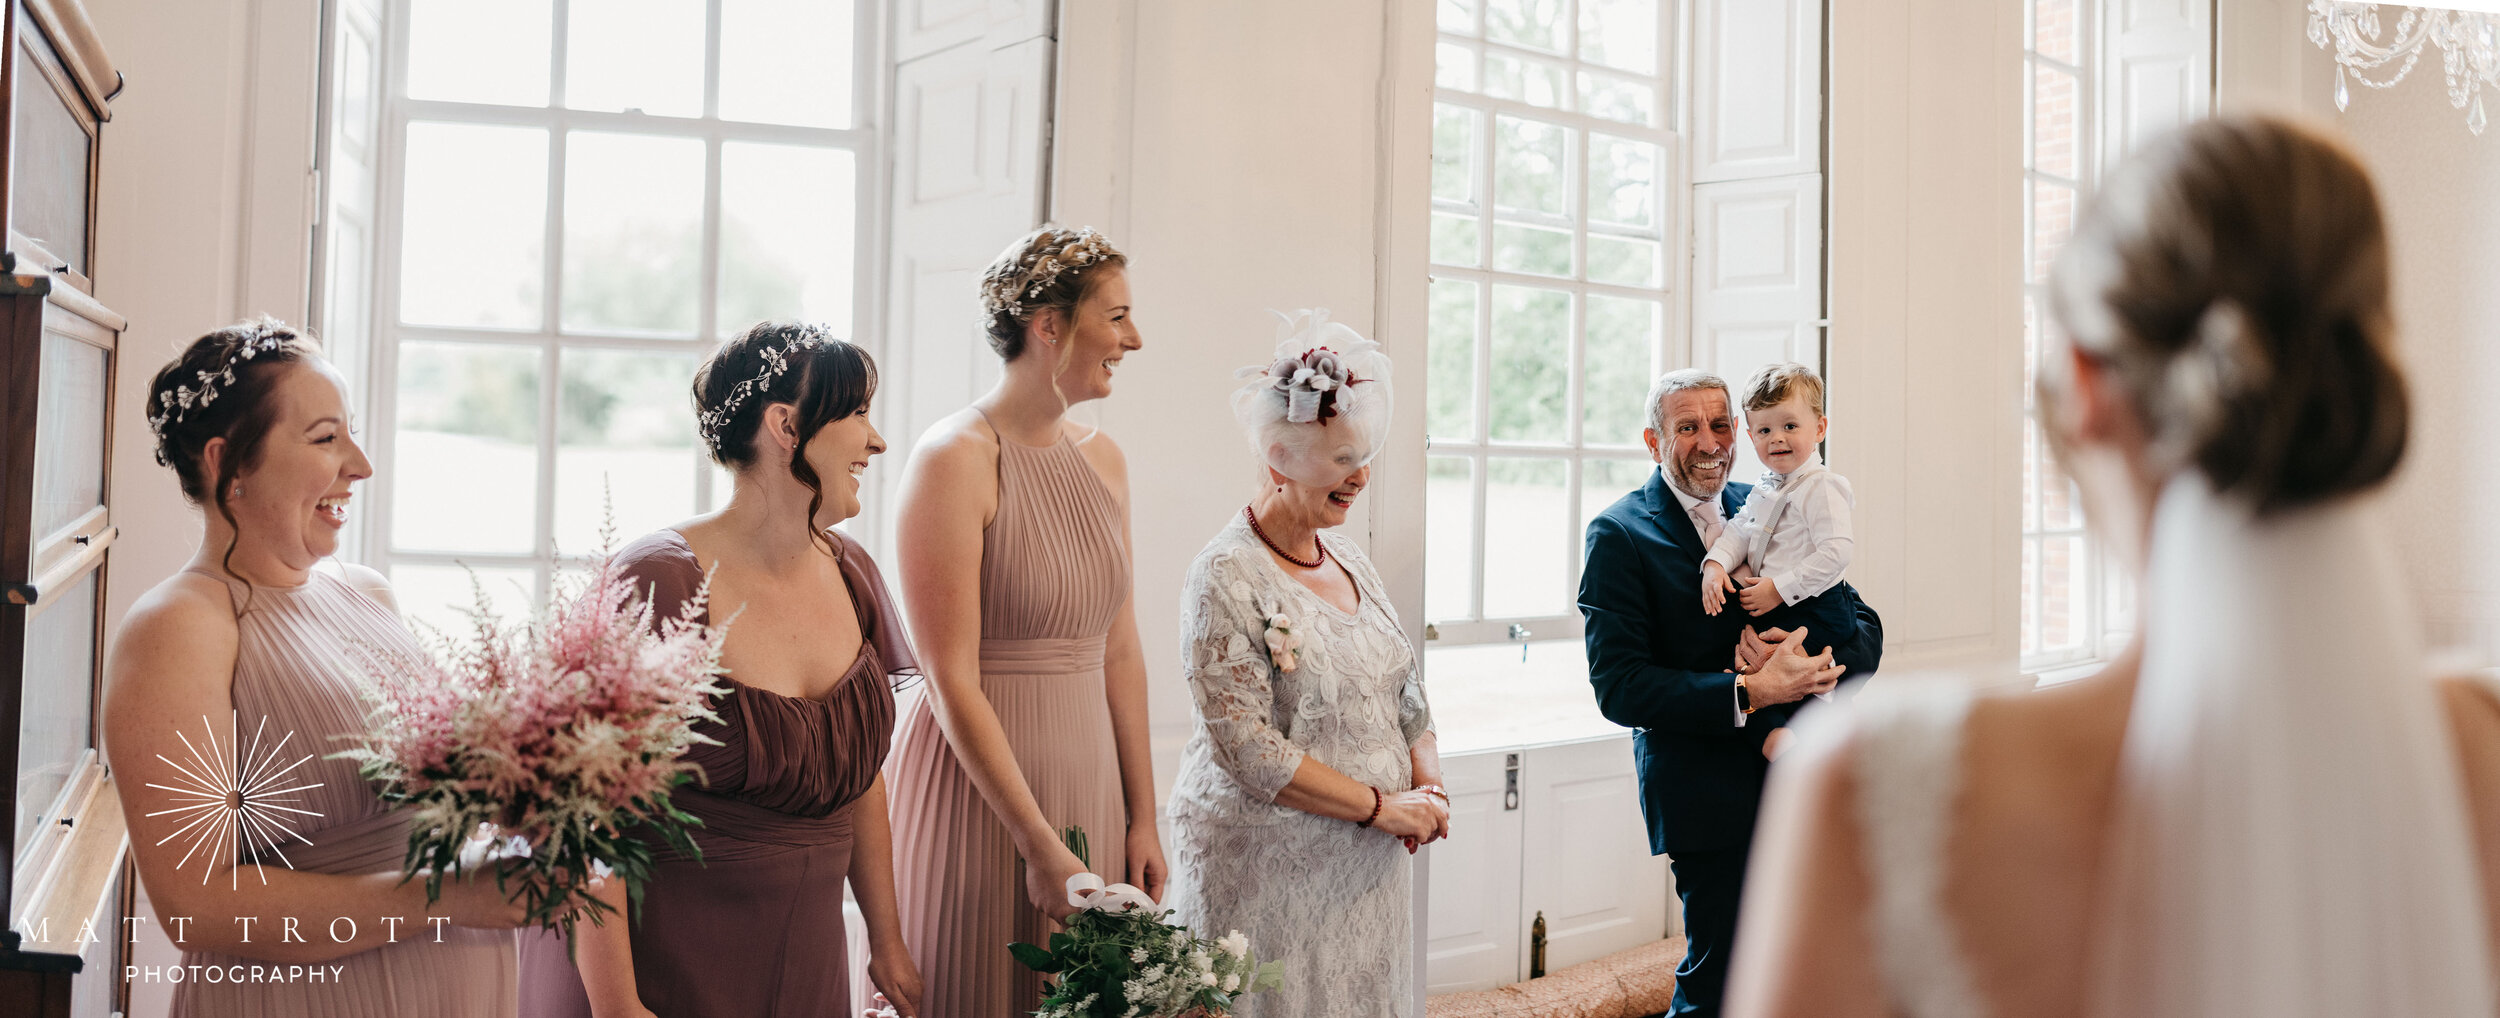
point(1311, 773)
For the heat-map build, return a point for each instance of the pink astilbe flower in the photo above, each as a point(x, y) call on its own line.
point(559, 737)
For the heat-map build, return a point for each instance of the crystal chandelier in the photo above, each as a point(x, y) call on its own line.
point(2468, 44)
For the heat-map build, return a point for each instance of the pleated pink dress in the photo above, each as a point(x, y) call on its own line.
point(1054, 576)
point(301, 662)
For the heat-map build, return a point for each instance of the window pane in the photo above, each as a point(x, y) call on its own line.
point(1622, 334)
point(2052, 221)
point(2053, 30)
point(2031, 596)
point(1620, 33)
point(2054, 122)
point(1623, 181)
point(1449, 537)
point(2031, 347)
point(793, 61)
point(1450, 378)
point(1528, 165)
point(1528, 552)
point(635, 55)
point(624, 439)
point(1531, 364)
point(70, 420)
point(1613, 98)
point(1536, 24)
point(1457, 16)
point(453, 56)
point(440, 596)
point(465, 456)
point(1602, 482)
point(2058, 506)
point(1454, 66)
point(1454, 240)
point(2065, 600)
point(56, 711)
point(1455, 131)
point(633, 232)
point(472, 239)
point(786, 237)
point(1534, 249)
point(1623, 262)
point(1535, 82)
point(2031, 474)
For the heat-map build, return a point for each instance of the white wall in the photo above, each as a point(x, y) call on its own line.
point(1246, 178)
point(1926, 336)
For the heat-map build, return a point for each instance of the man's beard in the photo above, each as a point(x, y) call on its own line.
point(1688, 481)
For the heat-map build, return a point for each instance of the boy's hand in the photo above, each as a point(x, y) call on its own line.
point(1760, 595)
point(1714, 587)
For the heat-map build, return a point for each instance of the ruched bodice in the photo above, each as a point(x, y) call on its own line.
point(302, 657)
point(755, 927)
point(1054, 579)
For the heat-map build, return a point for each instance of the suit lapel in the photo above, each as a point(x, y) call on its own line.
point(1668, 512)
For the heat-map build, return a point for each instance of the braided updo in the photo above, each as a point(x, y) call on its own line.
point(1052, 268)
point(2234, 278)
point(219, 388)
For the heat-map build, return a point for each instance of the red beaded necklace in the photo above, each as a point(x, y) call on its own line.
point(1253, 517)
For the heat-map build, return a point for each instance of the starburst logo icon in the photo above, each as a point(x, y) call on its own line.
point(234, 798)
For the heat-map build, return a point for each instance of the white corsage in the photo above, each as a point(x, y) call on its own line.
point(1282, 641)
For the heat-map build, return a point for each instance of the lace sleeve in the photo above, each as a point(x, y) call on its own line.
point(1414, 714)
point(1225, 659)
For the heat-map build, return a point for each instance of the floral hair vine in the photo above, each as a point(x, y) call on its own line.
point(776, 361)
point(172, 407)
point(1007, 294)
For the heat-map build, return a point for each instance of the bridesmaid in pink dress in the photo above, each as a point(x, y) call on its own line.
point(265, 634)
point(1014, 549)
point(791, 800)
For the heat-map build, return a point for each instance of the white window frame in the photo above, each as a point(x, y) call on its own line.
point(864, 140)
point(2098, 605)
point(1675, 242)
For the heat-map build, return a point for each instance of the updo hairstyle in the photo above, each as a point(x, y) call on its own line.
point(1051, 268)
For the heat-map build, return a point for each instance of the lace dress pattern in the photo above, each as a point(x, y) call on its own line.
point(1909, 740)
point(1331, 900)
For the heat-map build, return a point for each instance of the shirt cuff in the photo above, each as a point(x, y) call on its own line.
point(1736, 706)
point(1791, 590)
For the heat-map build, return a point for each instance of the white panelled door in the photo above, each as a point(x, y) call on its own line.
point(2159, 72)
point(1757, 281)
point(971, 149)
point(1758, 89)
point(1475, 939)
point(1594, 879)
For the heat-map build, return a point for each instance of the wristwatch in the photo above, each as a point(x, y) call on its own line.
point(1744, 697)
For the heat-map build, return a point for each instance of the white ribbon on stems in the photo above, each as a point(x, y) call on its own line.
point(1086, 891)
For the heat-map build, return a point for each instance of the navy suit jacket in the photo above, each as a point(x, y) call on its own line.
point(1660, 665)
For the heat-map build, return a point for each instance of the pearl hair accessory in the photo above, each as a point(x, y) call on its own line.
point(1008, 293)
point(172, 407)
point(776, 361)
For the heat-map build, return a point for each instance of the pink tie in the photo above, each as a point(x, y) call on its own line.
point(1706, 520)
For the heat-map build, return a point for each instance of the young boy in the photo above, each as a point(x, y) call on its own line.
point(1789, 546)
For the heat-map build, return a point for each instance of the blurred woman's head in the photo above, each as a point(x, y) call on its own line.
point(788, 398)
point(1059, 298)
point(2224, 306)
point(257, 429)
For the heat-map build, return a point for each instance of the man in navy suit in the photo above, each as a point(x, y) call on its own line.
point(1663, 666)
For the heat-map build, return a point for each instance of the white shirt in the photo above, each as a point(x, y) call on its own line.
point(1712, 507)
point(1793, 531)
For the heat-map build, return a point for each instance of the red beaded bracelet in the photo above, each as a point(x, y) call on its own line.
point(1367, 821)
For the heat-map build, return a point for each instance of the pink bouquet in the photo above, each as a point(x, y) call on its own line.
point(550, 740)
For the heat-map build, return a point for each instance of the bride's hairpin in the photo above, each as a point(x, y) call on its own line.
point(174, 405)
point(1008, 293)
point(776, 361)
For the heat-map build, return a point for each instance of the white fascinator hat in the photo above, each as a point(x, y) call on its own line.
point(1319, 410)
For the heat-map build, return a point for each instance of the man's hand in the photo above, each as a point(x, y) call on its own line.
point(1755, 647)
point(1760, 595)
point(1789, 675)
point(1714, 587)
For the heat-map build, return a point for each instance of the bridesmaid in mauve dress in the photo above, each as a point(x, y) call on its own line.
point(791, 800)
point(249, 662)
point(1015, 554)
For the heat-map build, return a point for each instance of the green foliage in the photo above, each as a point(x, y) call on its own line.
point(1102, 957)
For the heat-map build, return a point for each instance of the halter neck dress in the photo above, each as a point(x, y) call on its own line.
point(1054, 577)
point(301, 660)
